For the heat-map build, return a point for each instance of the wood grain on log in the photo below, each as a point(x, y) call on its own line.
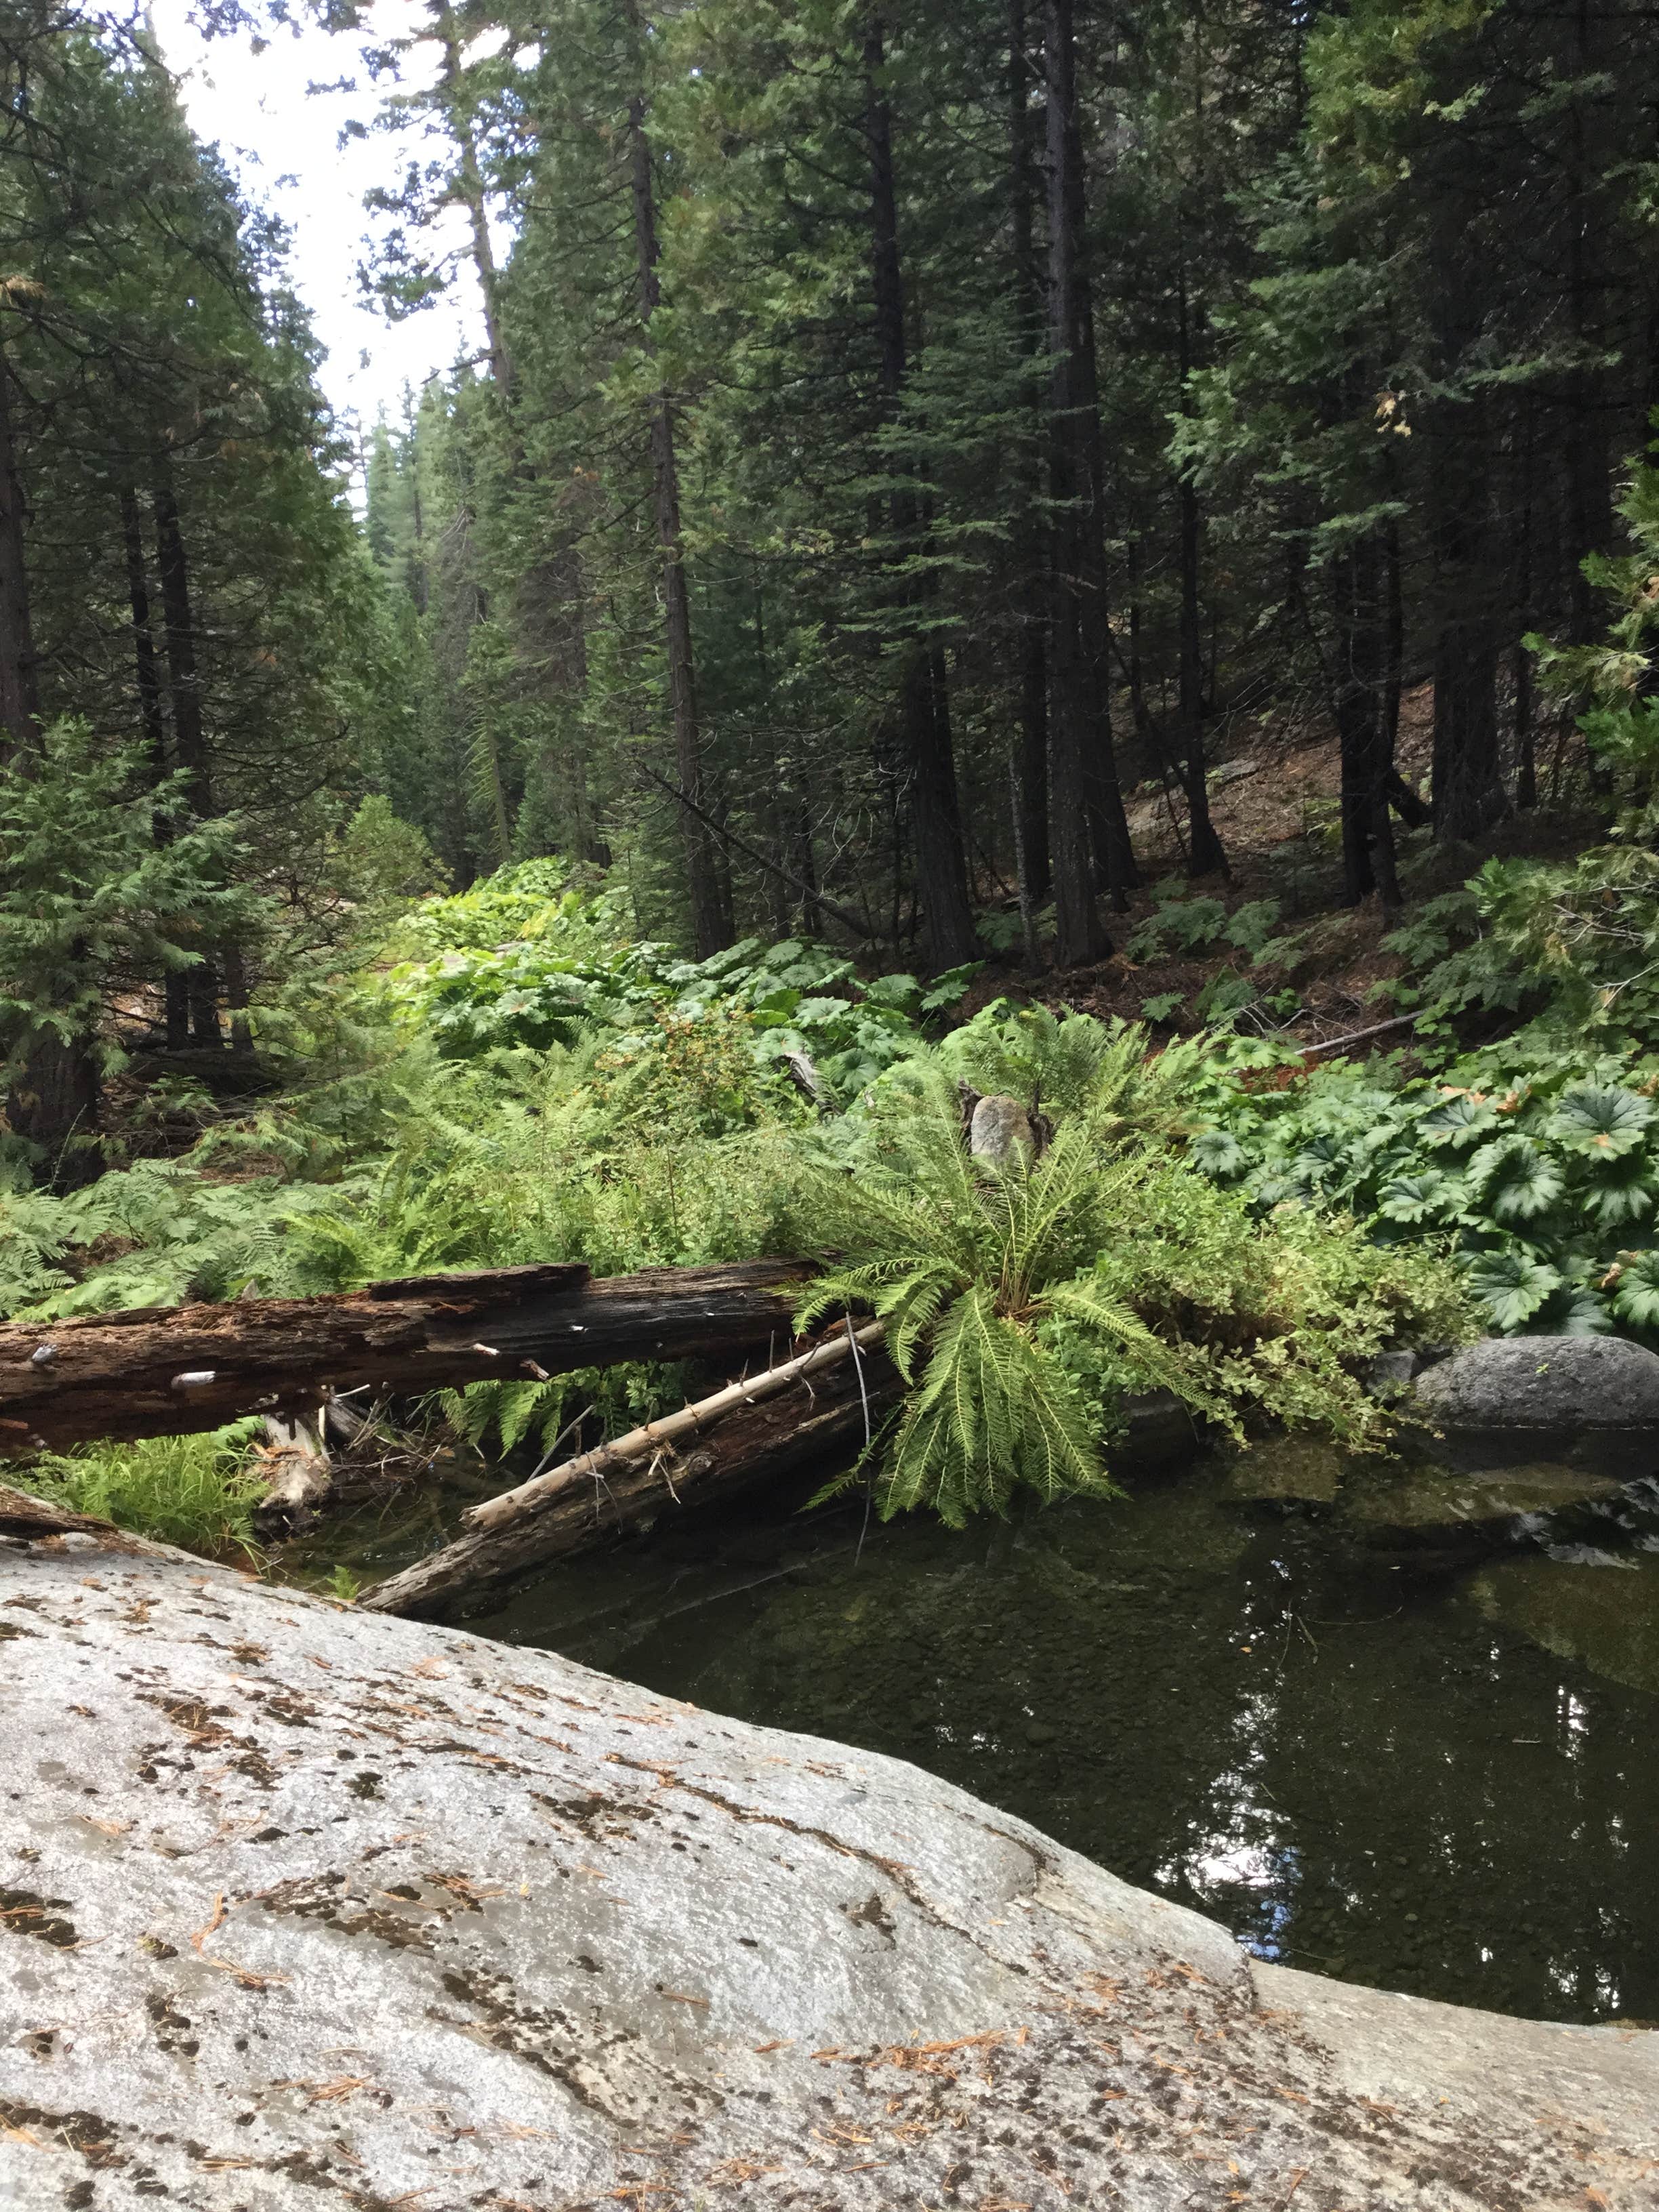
point(808, 1422)
point(173, 1370)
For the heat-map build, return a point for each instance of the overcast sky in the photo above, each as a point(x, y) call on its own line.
point(283, 143)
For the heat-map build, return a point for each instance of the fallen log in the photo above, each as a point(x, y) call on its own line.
point(173, 1371)
point(773, 1425)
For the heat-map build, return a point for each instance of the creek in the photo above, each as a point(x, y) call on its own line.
point(1384, 1722)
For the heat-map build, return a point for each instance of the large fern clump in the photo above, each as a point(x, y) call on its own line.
point(964, 1261)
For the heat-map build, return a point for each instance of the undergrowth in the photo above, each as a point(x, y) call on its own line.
point(197, 1493)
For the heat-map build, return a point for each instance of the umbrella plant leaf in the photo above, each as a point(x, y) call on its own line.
point(1421, 1197)
point(1512, 1288)
point(1571, 1313)
point(1620, 1193)
point(1601, 1120)
point(1218, 1151)
point(1458, 1120)
point(1634, 1283)
point(1515, 1181)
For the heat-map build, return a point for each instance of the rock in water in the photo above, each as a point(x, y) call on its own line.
point(1603, 1612)
point(306, 1906)
point(1433, 1499)
point(1594, 1399)
point(1287, 1470)
point(1000, 1127)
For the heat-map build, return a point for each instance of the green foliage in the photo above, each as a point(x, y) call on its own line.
point(91, 900)
point(963, 1261)
point(1271, 1317)
point(1178, 923)
point(162, 1233)
point(198, 1492)
point(1538, 1174)
point(1023, 1302)
point(526, 959)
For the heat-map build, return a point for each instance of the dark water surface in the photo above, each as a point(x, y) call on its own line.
point(1383, 1724)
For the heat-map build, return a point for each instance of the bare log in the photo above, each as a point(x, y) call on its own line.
point(757, 1434)
point(170, 1371)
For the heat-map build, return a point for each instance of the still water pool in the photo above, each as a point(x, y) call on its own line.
point(1384, 1722)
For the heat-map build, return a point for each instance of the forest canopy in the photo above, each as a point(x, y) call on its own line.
point(901, 440)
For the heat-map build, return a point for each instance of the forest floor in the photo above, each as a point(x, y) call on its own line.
point(1274, 802)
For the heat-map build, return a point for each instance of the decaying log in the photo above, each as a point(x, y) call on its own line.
point(170, 1371)
point(656, 1438)
point(761, 1431)
point(298, 1473)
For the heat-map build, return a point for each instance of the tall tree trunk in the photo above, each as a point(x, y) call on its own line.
point(711, 929)
point(1468, 789)
point(924, 698)
point(55, 1095)
point(1584, 445)
point(20, 685)
point(1031, 753)
point(190, 751)
point(1360, 689)
point(176, 981)
point(1078, 721)
point(469, 189)
point(1204, 855)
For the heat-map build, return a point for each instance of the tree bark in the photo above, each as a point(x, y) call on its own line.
point(1469, 792)
point(468, 189)
point(190, 751)
point(924, 698)
point(20, 682)
point(174, 1372)
point(147, 668)
point(711, 925)
point(1360, 683)
point(1030, 755)
point(1081, 770)
point(748, 1442)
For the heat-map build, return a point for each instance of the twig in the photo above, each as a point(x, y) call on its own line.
point(1358, 1037)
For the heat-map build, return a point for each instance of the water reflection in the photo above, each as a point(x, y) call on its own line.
point(1382, 1754)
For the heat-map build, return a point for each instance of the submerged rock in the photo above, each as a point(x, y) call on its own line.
point(1594, 1398)
point(1603, 1612)
point(1296, 1470)
point(305, 1906)
point(1434, 1499)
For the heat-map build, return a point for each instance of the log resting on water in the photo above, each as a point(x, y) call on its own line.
point(173, 1371)
point(814, 1416)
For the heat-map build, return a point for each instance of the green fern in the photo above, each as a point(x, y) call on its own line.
point(965, 1262)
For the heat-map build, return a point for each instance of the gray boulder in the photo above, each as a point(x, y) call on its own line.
point(301, 1905)
point(1000, 1127)
point(1591, 1399)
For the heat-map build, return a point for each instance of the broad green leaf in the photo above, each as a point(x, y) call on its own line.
point(1514, 1180)
point(1602, 1120)
point(1430, 1194)
point(1218, 1153)
point(1636, 1292)
point(1458, 1120)
point(1512, 1286)
point(1571, 1313)
point(1620, 1192)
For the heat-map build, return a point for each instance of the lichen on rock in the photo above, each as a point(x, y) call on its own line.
point(371, 1913)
